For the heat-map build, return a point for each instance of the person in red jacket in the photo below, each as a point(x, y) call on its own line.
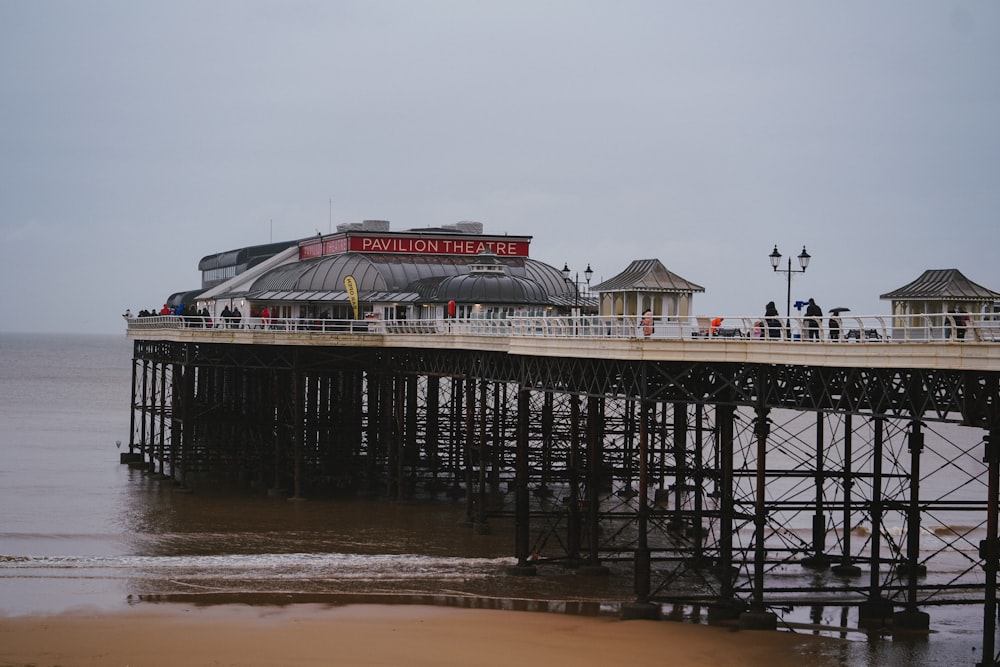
point(714, 328)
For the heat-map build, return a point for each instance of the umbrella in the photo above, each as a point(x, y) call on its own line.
point(838, 311)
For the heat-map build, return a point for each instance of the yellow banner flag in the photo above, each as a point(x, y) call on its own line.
point(352, 293)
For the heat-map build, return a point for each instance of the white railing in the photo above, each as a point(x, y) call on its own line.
point(869, 329)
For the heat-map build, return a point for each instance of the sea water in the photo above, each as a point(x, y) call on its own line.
point(80, 531)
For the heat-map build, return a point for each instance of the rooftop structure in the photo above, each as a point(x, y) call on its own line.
point(941, 291)
point(647, 284)
point(411, 274)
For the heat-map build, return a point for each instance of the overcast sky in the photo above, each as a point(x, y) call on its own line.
point(137, 137)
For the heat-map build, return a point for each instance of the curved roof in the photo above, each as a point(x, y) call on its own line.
point(945, 284)
point(248, 256)
point(188, 297)
point(527, 280)
point(647, 275)
point(372, 271)
point(549, 277)
point(489, 288)
point(325, 274)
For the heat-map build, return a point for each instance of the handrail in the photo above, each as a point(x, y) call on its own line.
point(868, 329)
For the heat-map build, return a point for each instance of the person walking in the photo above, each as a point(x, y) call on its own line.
point(814, 315)
point(961, 322)
point(835, 328)
point(772, 321)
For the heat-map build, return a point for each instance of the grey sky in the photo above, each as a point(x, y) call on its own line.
point(137, 137)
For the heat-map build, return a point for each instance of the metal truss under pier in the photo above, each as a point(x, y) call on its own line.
point(748, 488)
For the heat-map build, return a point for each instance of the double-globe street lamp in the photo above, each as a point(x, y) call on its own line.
point(775, 257)
point(587, 274)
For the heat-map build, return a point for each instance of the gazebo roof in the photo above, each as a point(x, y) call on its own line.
point(942, 284)
point(647, 275)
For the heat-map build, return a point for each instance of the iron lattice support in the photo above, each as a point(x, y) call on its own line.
point(693, 472)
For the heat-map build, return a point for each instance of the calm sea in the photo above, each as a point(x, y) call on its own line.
point(78, 530)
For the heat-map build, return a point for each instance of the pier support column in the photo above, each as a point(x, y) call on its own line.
point(874, 612)
point(481, 526)
point(468, 448)
point(548, 421)
point(432, 436)
point(388, 453)
point(411, 448)
point(819, 558)
point(395, 462)
point(574, 515)
point(758, 618)
point(177, 386)
point(912, 619)
point(276, 429)
point(145, 416)
point(378, 410)
point(187, 430)
point(403, 438)
point(642, 608)
point(131, 456)
point(697, 523)
point(989, 549)
point(456, 438)
point(161, 445)
point(677, 522)
point(298, 423)
point(594, 486)
point(135, 449)
point(846, 568)
point(727, 607)
point(522, 508)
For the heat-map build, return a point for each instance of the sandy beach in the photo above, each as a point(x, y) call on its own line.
point(305, 634)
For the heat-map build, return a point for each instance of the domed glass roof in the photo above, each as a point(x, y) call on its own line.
point(489, 288)
point(438, 278)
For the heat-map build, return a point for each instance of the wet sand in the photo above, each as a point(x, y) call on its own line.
point(359, 635)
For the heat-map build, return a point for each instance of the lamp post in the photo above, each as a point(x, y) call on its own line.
point(775, 258)
point(587, 274)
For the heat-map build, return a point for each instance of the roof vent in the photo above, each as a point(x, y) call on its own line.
point(375, 225)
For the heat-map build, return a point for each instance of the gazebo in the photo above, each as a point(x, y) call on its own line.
point(939, 291)
point(646, 284)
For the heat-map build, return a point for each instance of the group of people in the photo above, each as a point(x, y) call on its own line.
point(229, 318)
point(771, 326)
point(189, 311)
point(179, 309)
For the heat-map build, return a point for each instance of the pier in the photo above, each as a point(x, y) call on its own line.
point(721, 467)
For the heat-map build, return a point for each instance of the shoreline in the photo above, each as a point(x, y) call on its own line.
point(306, 634)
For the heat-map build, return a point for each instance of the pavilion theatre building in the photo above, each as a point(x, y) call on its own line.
point(452, 270)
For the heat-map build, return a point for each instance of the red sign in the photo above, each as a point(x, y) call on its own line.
point(419, 245)
point(310, 250)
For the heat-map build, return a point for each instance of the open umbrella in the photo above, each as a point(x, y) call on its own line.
point(838, 311)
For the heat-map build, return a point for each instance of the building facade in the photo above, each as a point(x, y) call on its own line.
point(366, 270)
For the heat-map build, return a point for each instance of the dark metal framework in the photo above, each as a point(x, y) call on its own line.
point(719, 483)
